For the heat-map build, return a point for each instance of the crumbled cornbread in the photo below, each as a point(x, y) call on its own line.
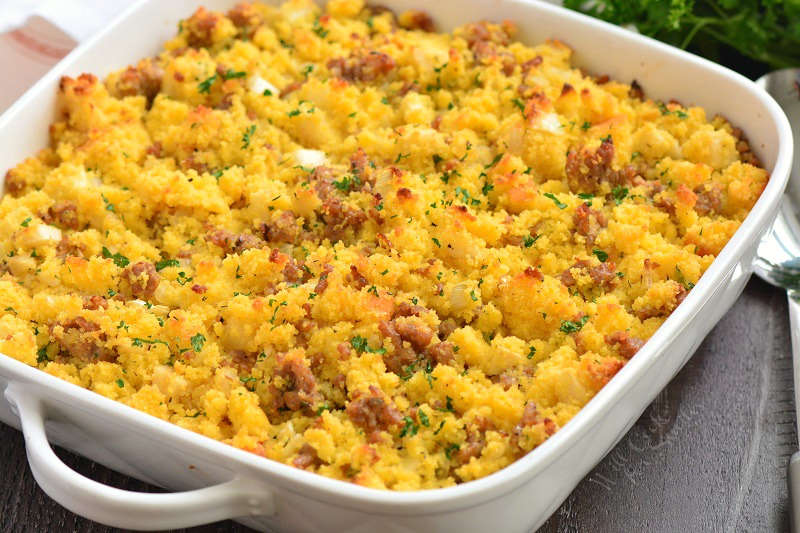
point(342, 241)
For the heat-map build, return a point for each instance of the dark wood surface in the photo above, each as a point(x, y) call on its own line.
point(709, 454)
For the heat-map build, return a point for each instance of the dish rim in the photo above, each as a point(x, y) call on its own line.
point(506, 479)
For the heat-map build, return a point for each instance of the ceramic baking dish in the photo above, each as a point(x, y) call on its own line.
point(225, 482)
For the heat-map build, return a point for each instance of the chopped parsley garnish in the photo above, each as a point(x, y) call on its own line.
point(164, 263)
point(529, 240)
point(448, 408)
point(423, 418)
point(559, 203)
point(601, 255)
point(531, 352)
point(267, 92)
point(231, 74)
point(119, 259)
point(138, 342)
point(472, 295)
point(109, 205)
point(205, 85)
point(452, 447)
point(319, 30)
point(496, 160)
point(410, 428)
point(41, 354)
point(517, 102)
point(198, 341)
point(247, 135)
point(120, 383)
point(361, 345)
point(436, 242)
point(586, 125)
point(25, 222)
point(573, 326)
point(486, 188)
point(619, 193)
point(346, 183)
point(275, 312)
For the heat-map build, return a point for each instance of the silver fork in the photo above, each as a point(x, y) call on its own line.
point(778, 256)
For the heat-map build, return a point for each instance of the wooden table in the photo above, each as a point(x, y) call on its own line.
point(709, 454)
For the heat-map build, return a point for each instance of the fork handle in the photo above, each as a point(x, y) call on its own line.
point(793, 479)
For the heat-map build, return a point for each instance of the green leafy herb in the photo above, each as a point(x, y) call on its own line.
point(423, 418)
point(529, 240)
point(573, 326)
point(452, 447)
point(109, 205)
point(205, 85)
point(410, 428)
point(518, 103)
point(138, 342)
point(41, 354)
point(559, 203)
point(164, 263)
point(764, 30)
point(531, 352)
point(601, 255)
point(436, 242)
point(120, 383)
point(496, 160)
point(246, 137)
point(119, 259)
point(619, 193)
point(361, 345)
point(25, 222)
point(198, 341)
point(231, 74)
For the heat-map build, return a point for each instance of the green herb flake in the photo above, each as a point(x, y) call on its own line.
point(531, 352)
point(619, 193)
point(450, 449)
point(119, 259)
point(496, 160)
point(232, 74)
point(198, 341)
point(410, 428)
point(361, 345)
point(205, 86)
point(529, 240)
point(25, 222)
point(601, 255)
point(423, 418)
point(41, 354)
point(247, 135)
point(164, 263)
point(573, 326)
point(559, 203)
point(120, 383)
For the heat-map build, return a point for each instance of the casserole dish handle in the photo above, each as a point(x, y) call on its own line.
point(121, 508)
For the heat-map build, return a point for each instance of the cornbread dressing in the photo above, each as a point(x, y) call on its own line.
point(340, 240)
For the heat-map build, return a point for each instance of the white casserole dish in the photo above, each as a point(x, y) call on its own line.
point(267, 495)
